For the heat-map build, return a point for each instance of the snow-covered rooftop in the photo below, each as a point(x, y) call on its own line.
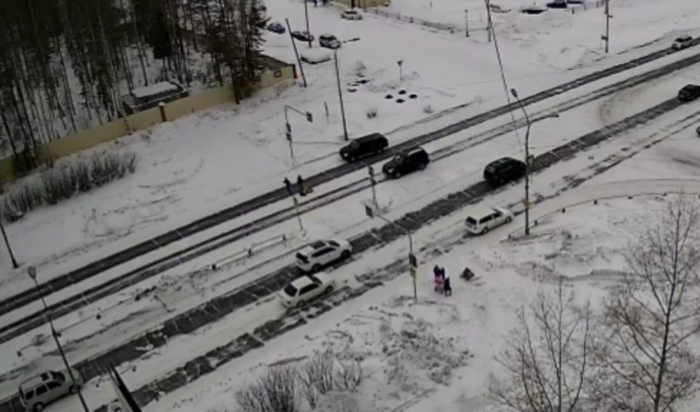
point(154, 89)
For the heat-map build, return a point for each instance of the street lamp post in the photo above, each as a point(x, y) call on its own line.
point(7, 243)
point(308, 31)
point(32, 274)
point(527, 157)
point(412, 261)
point(340, 95)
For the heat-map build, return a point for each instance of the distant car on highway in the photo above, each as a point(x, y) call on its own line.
point(329, 41)
point(303, 35)
point(407, 162)
point(364, 146)
point(504, 170)
point(682, 42)
point(481, 221)
point(305, 289)
point(322, 253)
point(689, 93)
point(351, 15)
point(276, 27)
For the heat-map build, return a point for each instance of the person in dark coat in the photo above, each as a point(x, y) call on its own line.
point(438, 278)
point(288, 185)
point(447, 286)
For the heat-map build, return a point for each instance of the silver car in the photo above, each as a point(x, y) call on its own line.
point(41, 390)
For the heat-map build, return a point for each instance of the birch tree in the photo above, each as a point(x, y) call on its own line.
point(646, 362)
point(547, 359)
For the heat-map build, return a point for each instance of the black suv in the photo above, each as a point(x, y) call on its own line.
point(689, 93)
point(406, 162)
point(364, 146)
point(503, 170)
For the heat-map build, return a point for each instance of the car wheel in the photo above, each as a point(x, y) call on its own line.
point(509, 219)
point(485, 230)
point(345, 255)
point(74, 389)
point(397, 174)
point(422, 166)
point(300, 304)
point(316, 268)
point(329, 289)
point(38, 407)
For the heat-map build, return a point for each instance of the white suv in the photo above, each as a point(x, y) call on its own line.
point(682, 42)
point(322, 253)
point(39, 391)
point(305, 289)
point(351, 15)
point(481, 221)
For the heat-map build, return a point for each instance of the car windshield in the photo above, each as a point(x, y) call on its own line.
point(302, 257)
point(290, 291)
point(354, 144)
point(490, 168)
point(315, 280)
point(398, 159)
point(318, 244)
point(333, 243)
point(471, 221)
point(58, 377)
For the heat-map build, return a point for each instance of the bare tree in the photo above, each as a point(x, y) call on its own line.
point(646, 363)
point(276, 391)
point(547, 361)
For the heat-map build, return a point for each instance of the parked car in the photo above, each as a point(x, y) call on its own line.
point(303, 35)
point(329, 41)
point(276, 27)
point(682, 42)
point(481, 221)
point(322, 253)
point(504, 170)
point(351, 15)
point(557, 4)
point(41, 390)
point(364, 146)
point(406, 162)
point(305, 289)
point(689, 93)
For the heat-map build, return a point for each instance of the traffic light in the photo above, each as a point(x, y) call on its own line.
point(309, 117)
point(412, 260)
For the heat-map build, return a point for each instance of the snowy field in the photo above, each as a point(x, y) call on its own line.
point(205, 162)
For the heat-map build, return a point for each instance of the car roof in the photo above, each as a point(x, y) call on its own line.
point(501, 161)
point(479, 214)
point(369, 137)
point(327, 35)
point(415, 150)
point(34, 381)
point(301, 282)
point(691, 86)
point(684, 37)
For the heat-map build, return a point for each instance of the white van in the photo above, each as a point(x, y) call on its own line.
point(481, 221)
point(41, 390)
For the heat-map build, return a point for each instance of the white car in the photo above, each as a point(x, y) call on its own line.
point(43, 389)
point(481, 221)
point(305, 289)
point(351, 15)
point(682, 42)
point(322, 253)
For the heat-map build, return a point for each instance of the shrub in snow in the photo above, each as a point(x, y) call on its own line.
point(372, 112)
point(63, 182)
point(428, 109)
point(276, 391)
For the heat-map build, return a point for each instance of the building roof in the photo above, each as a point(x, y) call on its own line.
point(155, 89)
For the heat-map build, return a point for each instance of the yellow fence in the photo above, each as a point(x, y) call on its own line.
point(89, 138)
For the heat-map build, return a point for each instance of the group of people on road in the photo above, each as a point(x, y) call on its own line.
point(315, 2)
point(442, 281)
point(303, 190)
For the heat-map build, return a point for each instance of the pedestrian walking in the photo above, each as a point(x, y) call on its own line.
point(288, 185)
point(447, 286)
point(315, 3)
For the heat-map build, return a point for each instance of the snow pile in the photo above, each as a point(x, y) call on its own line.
point(406, 347)
point(315, 56)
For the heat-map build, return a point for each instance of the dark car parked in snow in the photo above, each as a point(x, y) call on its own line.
point(329, 41)
point(364, 146)
point(689, 93)
point(406, 162)
point(276, 27)
point(504, 170)
point(303, 35)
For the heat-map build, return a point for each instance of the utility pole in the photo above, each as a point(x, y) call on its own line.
point(412, 261)
point(296, 207)
point(607, 26)
point(32, 274)
point(296, 53)
point(7, 243)
point(288, 126)
point(466, 20)
point(340, 95)
point(400, 63)
point(370, 169)
point(489, 24)
point(306, 12)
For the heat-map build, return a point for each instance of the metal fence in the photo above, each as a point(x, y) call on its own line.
point(450, 28)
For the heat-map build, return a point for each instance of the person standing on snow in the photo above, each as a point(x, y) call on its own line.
point(437, 272)
point(447, 286)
